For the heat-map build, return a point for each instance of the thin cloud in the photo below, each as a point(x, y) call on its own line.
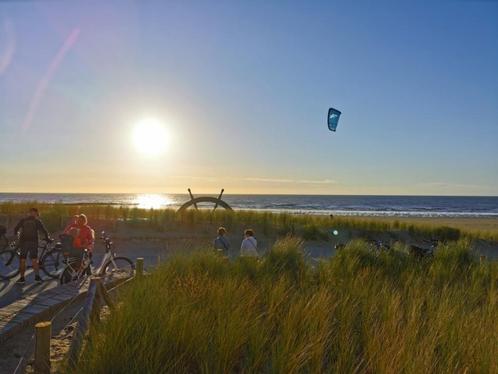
point(258, 180)
point(457, 187)
point(291, 181)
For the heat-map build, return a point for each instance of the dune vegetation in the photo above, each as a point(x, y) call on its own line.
point(309, 227)
point(358, 312)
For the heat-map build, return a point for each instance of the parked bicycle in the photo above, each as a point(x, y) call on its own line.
point(425, 251)
point(378, 245)
point(50, 258)
point(111, 265)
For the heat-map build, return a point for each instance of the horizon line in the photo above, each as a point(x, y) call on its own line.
point(240, 194)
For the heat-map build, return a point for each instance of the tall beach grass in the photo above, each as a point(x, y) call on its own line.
point(309, 227)
point(359, 312)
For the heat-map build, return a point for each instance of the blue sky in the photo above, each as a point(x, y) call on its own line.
point(243, 89)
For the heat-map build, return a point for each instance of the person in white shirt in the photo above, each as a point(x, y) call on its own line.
point(249, 246)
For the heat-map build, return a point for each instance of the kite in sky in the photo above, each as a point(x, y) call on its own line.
point(333, 119)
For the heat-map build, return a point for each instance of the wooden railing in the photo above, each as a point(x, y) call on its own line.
point(97, 296)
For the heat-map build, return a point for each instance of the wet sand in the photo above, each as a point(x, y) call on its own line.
point(472, 224)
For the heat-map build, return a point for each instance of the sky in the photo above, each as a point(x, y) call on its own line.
point(242, 89)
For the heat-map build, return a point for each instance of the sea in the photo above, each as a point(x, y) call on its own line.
point(350, 205)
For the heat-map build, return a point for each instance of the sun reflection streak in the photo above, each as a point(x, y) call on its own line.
point(152, 201)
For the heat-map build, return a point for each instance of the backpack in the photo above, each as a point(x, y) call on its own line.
point(66, 242)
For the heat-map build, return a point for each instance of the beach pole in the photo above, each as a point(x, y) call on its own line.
point(140, 267)
point(192, 198)
point(219, 198)
point(43, 332)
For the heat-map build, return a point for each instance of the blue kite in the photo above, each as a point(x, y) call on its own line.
point(333, 119)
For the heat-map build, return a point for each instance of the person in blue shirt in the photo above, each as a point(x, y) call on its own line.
point(221, 243)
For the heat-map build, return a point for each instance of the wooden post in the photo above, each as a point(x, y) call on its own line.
point(98, 301)
point(192, 198)
point(140, 266)
point(43, 332)
point(482, 258)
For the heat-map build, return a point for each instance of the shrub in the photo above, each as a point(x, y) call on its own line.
point(286, 258)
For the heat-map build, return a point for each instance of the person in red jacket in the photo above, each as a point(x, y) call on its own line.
point(72, 224)
point(86, 235)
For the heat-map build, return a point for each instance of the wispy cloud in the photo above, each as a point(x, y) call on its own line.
point(290, 181)
point(259, 180)
point(456, 187)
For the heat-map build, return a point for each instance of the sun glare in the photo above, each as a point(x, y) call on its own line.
point(150, 137)
point(152, 201)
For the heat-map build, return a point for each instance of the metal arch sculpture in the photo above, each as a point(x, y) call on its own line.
point(204, 199)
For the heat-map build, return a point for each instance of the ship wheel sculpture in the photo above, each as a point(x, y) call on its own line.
point(204, 199)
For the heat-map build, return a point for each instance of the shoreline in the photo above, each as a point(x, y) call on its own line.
point(384, 214)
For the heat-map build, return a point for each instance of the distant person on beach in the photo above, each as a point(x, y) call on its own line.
point(29, 227)
point(221, 243)
point(249, 246)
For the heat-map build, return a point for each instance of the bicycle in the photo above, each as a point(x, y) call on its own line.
point(79, 267)
point(378, 245)
point(424, 252)
point(49, 258)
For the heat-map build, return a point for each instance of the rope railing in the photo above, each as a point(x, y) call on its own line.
point(97, 296)
point(23, 360)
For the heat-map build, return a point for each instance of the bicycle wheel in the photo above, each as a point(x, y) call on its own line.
point(68, 275)
point(52, 263)
point(4, 243)
point(119, 267)
point(9, 264)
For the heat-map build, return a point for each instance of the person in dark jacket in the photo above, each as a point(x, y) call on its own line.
point(29, 227)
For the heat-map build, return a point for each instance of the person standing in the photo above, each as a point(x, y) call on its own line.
point(249, 246)
point(72, 224)
point(29, 227)
point(85, 236)
point(221, 243)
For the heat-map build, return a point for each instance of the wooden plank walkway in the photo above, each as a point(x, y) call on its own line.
point(34, 308)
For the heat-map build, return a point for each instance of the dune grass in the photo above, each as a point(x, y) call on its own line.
point(356, 312)
point(309, 227)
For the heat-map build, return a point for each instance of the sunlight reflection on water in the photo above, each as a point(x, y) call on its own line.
point(152, 201)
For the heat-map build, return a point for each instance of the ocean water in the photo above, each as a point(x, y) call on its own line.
point(401, 206)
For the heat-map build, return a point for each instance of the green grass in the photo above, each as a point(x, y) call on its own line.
point(309, 227)
point(357, 312)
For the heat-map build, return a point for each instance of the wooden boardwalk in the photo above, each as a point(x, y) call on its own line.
point(26, 312)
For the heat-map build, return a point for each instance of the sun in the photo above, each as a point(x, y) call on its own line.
point(150, 137)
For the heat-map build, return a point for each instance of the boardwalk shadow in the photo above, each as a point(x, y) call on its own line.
point(17, 292)
point(3, 284)
point(34, 308)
